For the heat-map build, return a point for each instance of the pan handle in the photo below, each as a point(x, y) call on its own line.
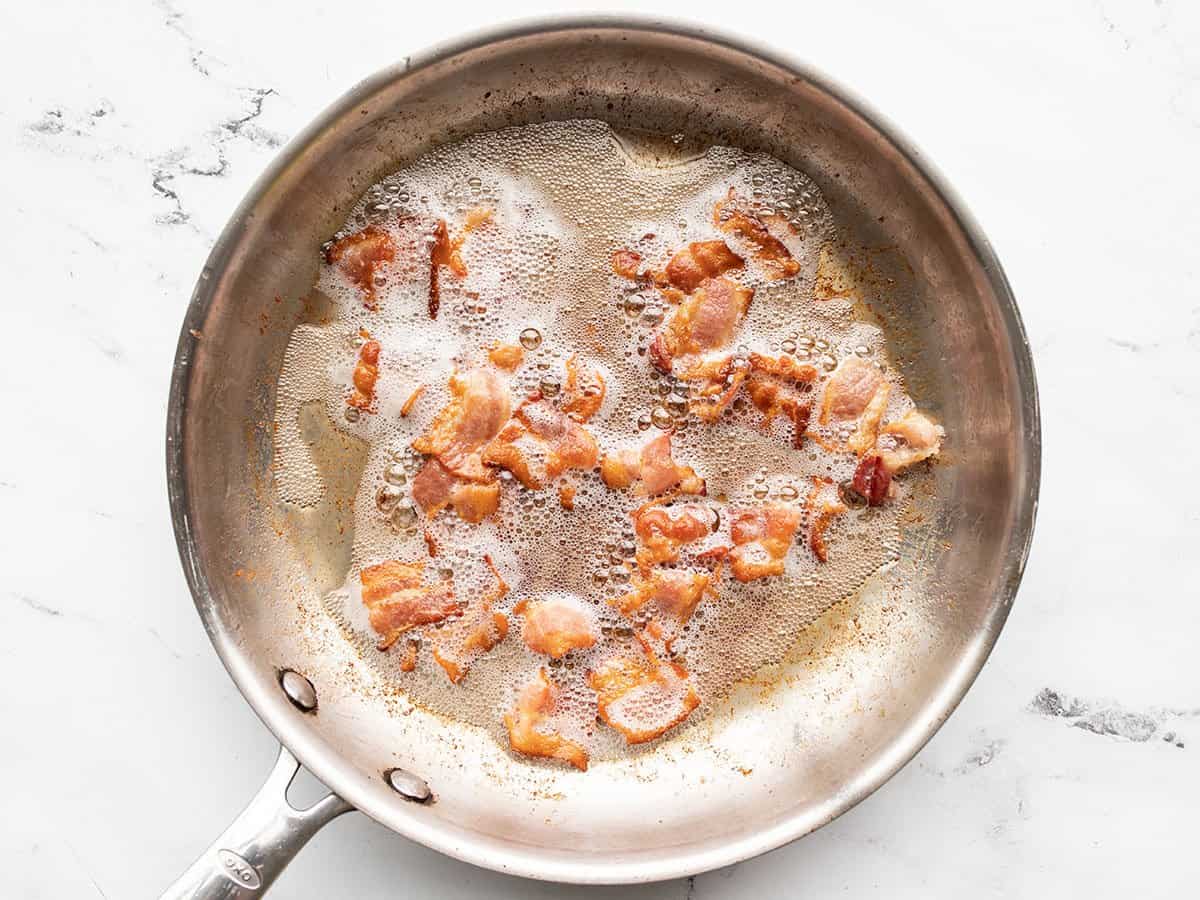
point(252, 852)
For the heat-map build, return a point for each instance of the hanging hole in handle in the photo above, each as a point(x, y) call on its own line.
point(407, 785)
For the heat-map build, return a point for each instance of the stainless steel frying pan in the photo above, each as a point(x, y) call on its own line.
point(869, 683)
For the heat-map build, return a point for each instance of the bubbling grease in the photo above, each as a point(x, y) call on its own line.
point(565, 195)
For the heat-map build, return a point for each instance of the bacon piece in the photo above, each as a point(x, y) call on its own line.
point(540, 443)
point(397, 600)
point(725, 376)
point(654, 465)
point(822, 508)
point(642, 697)
point(478, 408)
point(664, 531)
point(506, 356)
point(534, 703)
point(699, 261)
point(360, 255)
point(761, 537)
point(566, 496)
point(583, 392)
point(412, 400)
point(457, 645)
point(474, 502)
point(850, 390)
point(909, 440)
point(366, 373)
point(771, 253)
point(706, 320)
point(557, 626)
point(779, 386)
point(872, 479)
point(446, 252)
point(674, 592)
point(434, 487)
point(408, 661)
point(626, 263)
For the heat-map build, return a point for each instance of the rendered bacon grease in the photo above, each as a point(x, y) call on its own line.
point(621, 446)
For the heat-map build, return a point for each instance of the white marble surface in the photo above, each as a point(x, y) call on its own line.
point(128, 131)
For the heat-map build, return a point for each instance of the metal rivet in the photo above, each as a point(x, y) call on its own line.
point(408, 785)
point(299, 690)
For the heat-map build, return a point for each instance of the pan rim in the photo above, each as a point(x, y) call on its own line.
point(532, 862)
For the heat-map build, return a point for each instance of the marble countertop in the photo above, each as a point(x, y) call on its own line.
point(130, 130)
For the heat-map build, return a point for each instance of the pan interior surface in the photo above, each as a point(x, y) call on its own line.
point(868, 683)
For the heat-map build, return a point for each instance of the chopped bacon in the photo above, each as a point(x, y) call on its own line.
point(626, 263)
point(360, 255)
point(909, 440)
point(366, 373)
point(850, 390)
point(557, 626)
point(432, 486)
point(706, 320)
point(478, 408)
point(474, 502)
point(506, 356)
point(408, 661)
point(699, 261)
point(674, 592)
point(540, 443)
point(872, 479)
point(534, 703)
point(654, 465)
point(664, 531)
point(761, 537)
point(583, 392)
point(412, 400)
point(821, 512)
point(446, 252)
point(457, 645)
point(397, 600)
point(642, 697)
point(566, 496)
point(770, 252)
point(725, 376)
point(779, 386)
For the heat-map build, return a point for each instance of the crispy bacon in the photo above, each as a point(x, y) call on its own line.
point(540, 443)
point(699, 261)
point(478, 408)
point(705, 321)
point(654, 465)
point(583, 392)
point(360, 255)
point(663, 532)
point(408, 661)
point(506, 356)
point(366, 373)
point(761, 537)
point(780, 386)
point(772, 255)
point(447, 252)
point(872, 479)
point(412, 400)
point(434, 487)
point(823, 505)
point(457, 645)
point(397, 600)
point(566, 496)
point(642, 697)
point(557, 626)
point(909, 440)
point(474, 502)
point(534, 703)
point(626, 263)
point(675, 593)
